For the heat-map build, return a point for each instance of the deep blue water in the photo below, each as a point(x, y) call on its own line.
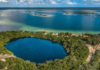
point(59, 21)
point(36, 50)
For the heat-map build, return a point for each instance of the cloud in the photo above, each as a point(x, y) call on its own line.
point(3, 1)
point(95, 0)
point(92, 2)
point(71, 3)
point(53, 2)
point(21, 1)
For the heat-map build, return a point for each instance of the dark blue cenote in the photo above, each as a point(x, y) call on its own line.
point(36, 50)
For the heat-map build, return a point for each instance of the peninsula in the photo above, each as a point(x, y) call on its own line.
point(78, 12)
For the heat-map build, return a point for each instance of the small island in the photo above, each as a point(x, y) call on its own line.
point(44, 15)
point(28, 12)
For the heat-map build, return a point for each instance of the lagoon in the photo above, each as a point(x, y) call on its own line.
point(36, 50)
point(62, 20)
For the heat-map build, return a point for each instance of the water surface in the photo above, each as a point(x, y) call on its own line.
point(36, 50)
point(18, 19)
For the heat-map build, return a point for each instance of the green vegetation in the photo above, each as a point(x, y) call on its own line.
point(77, 52)
point(92, 39)
point(94, 64)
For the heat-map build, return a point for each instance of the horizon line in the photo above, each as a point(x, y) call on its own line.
point(79, 8)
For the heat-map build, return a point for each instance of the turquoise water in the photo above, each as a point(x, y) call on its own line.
point(17, 19)
point(36, 50)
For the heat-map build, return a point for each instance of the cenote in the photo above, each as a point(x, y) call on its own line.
point(36, 50)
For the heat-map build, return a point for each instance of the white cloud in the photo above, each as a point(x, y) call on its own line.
point(49, 2)
point(21, 1)
point(71, 3)
point(53, 2)
point(3, 1)
point(43, 3)
point(96, 2)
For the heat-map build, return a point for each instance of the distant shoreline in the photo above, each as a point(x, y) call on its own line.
point(54, 8)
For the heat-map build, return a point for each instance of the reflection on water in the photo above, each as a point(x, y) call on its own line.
point(60, 22)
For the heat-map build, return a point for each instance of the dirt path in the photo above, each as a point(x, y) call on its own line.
point(92, 50)
point(2, 57)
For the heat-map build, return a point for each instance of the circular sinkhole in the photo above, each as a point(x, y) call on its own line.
point(36, 50)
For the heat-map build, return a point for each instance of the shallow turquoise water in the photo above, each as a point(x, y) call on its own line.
point(14, 19)
point(36, 50)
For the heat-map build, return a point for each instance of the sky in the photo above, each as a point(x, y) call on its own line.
point(49, 3)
